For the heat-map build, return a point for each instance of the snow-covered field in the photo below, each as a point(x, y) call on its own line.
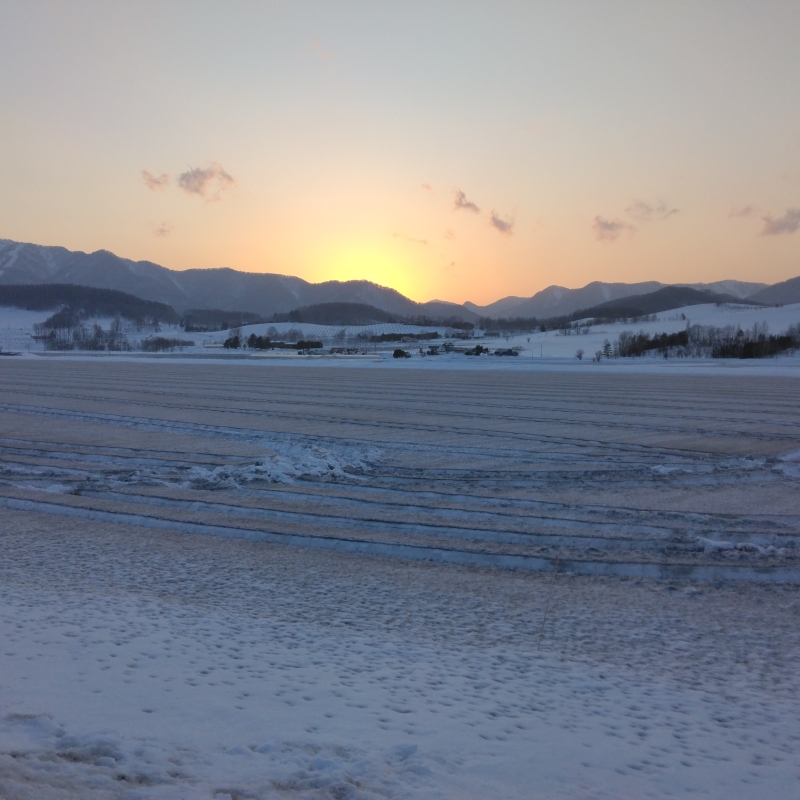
point(537, 349)
point(16, 329)
point(160, 640)
point(555, 345)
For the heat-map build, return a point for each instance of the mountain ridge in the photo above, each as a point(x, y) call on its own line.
point(270, 293)
point(663, 299)
point(556, 301)
point(781, 293)
point(220, 287)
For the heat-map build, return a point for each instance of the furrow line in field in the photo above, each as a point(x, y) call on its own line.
point(359, 494)
point(603, 402)
point(576, 566)
point(445, 408)
point(622, 536)
point(253, 436)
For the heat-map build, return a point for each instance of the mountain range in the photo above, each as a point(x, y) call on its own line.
point(267, 293)
point(556, 301)
point(225, 289)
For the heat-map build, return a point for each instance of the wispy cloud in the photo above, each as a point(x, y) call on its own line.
point(742, 212)
point(164, 229)
point(411, 239)
point(503, 225)
point(788, 223)
point(609, 230)
point(646, 212)
point(209, 182)
point(155, 182)
point(461, 203)
point(321, 51)
point(428, 189)
point(448, 234)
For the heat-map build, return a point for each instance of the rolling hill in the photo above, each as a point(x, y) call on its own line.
point(653, 302)
point(779, 293)
point(89, 301)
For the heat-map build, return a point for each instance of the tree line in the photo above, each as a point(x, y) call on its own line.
point(709, 341)
point(67, 330)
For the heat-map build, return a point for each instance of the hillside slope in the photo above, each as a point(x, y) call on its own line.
point(90, 301)
point(779, 293)
point(666, 299)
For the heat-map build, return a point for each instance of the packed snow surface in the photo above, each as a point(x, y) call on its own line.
point(160, 641)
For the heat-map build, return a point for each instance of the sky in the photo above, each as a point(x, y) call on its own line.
point(450, 150)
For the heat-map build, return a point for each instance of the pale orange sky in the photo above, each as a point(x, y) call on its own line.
point(460, 151)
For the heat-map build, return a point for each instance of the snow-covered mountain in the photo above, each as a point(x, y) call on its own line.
point(555, 301)
point(226, 289)
point(268, 293)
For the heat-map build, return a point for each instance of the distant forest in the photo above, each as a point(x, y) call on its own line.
point(337, 314)
point(362, 314)
point(214, 319)
point(87, 302)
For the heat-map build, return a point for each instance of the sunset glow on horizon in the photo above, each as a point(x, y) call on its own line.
point(450, 151)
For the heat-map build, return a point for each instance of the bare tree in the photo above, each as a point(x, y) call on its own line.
point(579, 354)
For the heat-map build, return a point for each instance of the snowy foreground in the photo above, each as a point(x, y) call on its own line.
point(159, 640)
